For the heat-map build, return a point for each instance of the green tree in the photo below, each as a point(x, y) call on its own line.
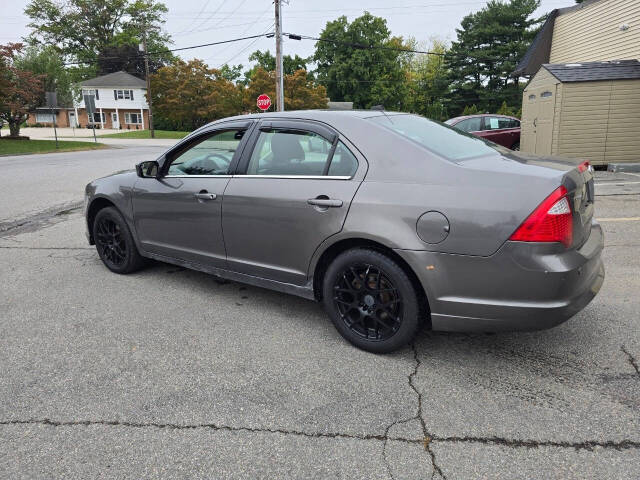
point(20, 90)
point(361, 62)
point(267, 62)
point(233, 73)
point(83, 30)
point(47, 62)
point(505, 109)
point(489, 45)
point(470, 110)
point(429, 82)
point(187, 95)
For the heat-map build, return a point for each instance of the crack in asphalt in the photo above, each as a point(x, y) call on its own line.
point(426, 442)
point(38, 220)
point(426, 436)
point(631, 359)
point(514, 443)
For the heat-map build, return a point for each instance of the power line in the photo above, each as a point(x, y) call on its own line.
point(359, 46)
point(244, 49)
point(167, 50)
point(206, 4)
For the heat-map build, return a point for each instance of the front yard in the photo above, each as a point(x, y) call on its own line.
point(18, 147)
point(147, 134)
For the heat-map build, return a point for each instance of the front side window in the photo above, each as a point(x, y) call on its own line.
point(437, 137)
point(289, 152)
point(470, 124)
point(209, 155)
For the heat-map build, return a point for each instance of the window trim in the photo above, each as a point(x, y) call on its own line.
point(303, 126)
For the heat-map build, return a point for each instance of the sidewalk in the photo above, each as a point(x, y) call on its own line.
point(86, 135)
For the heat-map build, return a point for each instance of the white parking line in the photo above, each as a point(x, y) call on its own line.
point(619, 219)
point(617, 184)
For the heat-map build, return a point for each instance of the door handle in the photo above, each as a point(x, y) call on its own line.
point(325, 202)
point(534, 122)
point(205, 196)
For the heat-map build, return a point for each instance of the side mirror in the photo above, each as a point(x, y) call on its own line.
point(148, 169)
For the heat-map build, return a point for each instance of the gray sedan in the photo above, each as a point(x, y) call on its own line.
point(391, 220)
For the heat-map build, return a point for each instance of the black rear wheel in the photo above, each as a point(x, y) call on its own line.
point(371, 300)
point(114, 242)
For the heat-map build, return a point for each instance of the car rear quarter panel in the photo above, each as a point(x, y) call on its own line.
point(484, 200)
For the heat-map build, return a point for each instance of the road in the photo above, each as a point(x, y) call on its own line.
point(172, 373)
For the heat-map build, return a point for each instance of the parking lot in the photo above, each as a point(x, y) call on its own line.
point(174, 373)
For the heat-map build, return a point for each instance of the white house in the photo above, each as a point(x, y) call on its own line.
point(119, 99)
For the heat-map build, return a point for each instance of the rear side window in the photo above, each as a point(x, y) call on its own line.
point(437, 137)
point(498, 123)
point(343, 163)
point(289, 152)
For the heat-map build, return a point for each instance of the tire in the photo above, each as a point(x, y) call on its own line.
point(516, 147)
point(371, 300)
point(114, 242)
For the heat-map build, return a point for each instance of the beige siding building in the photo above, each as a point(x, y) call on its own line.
point(587, 110)
point(583, 99)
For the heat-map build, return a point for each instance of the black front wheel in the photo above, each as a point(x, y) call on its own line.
point(371, 300)
point(114, 242)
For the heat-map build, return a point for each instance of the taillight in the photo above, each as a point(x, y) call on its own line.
point(583, 167)
point(552, 221)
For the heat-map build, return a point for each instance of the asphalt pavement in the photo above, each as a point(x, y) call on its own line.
point(170, 373)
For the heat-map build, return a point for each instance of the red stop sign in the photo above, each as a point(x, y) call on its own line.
point(264, 102)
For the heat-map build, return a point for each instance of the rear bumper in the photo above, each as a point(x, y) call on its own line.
point(523, 286)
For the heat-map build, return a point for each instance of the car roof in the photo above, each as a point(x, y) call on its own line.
point(327, 116)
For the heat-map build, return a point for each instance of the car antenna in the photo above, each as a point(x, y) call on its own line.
point(380, 108)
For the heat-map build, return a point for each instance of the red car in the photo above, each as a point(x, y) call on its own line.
point(500, 129)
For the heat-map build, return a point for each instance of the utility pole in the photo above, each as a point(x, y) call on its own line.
point(279, 72)
point(146, 72)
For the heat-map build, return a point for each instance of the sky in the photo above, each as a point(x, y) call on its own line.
point(193, 22)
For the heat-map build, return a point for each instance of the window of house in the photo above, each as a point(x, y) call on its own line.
point(546, 94)
point(95, 118)
point(92, 92)
point(44, 117)
point(133, 118)
point(123, 94)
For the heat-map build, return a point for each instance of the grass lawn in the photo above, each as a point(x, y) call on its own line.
point(14, 147)
point(146, 134)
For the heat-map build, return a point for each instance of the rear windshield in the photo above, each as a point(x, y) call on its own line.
point(441, 139)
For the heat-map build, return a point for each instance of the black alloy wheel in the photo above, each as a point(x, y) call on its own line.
point(371, 300)
point(110, 242)
point(368, 302)
point(114, 242)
